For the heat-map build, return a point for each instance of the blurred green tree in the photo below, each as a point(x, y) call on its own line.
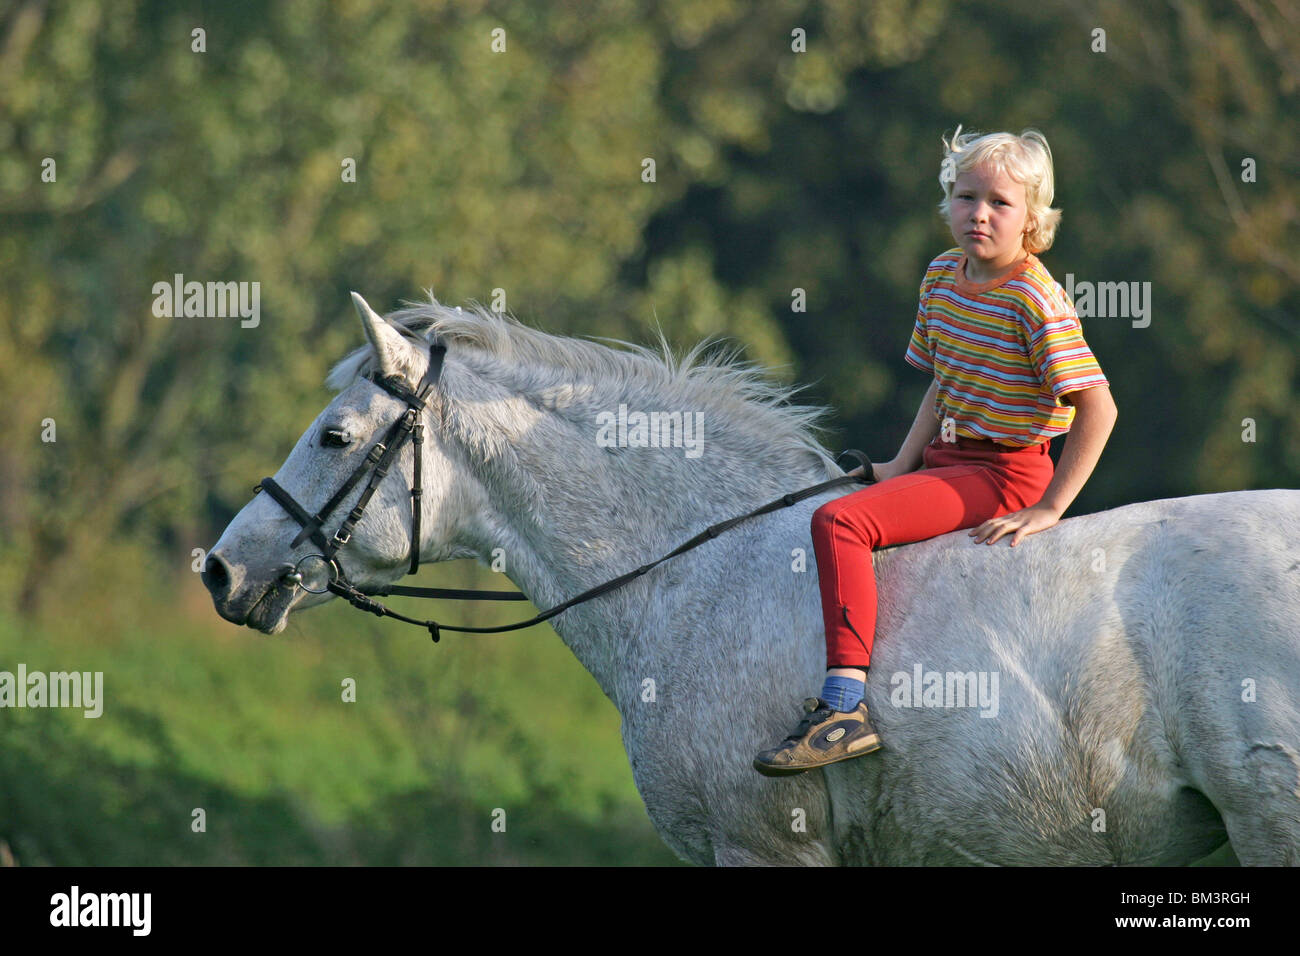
point(502, 146)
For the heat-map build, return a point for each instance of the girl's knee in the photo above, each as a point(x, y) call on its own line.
point(857, 522)
point(824, 516)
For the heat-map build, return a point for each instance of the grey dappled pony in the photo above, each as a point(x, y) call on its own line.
point(1119, 689)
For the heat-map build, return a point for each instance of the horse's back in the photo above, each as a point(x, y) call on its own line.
point(1116, 648)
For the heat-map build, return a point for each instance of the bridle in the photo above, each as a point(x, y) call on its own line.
point(321, 572)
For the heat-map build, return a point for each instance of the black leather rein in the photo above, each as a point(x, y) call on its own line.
point(378, 461)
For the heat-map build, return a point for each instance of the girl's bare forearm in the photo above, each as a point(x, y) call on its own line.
point(923, 430)
point(1094, 417)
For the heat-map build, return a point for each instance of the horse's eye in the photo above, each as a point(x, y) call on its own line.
point(335, 438)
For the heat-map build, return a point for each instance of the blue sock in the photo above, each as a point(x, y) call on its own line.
point(843, 693)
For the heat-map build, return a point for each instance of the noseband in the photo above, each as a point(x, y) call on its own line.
point(377, 462)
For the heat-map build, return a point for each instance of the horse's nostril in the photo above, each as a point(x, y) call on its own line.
point(215, 575)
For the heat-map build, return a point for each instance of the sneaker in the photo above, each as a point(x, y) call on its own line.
point(824, 736)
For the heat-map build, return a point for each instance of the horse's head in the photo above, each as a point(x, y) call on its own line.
point(250, 570)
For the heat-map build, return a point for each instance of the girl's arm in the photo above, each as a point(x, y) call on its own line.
point(924, 428)
point(1094, 417)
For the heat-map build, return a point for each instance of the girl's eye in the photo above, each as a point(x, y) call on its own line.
point(335, 438)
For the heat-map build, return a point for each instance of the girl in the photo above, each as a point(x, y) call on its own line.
point(1010, 372)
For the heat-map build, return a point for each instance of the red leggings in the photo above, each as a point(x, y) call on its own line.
point(959, 485)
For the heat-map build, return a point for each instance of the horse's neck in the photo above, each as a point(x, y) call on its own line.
point(568, 518)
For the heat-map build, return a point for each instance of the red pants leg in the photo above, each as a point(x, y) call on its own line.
point(959, 486)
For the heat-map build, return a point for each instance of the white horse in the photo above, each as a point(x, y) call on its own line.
point(1121, 689)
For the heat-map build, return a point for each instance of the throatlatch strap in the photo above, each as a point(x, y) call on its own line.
point(417, 493)
point(431, 376)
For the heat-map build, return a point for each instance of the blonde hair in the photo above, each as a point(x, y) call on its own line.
point(1025, 158)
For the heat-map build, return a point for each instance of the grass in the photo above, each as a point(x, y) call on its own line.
point(253, 731)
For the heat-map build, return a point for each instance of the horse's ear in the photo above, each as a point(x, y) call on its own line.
point(396, 355)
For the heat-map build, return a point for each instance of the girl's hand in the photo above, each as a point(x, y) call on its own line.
point(881, 471)
point(1026, 521)
point(887, 469)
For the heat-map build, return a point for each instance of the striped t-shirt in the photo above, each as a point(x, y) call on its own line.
point(1004, 352)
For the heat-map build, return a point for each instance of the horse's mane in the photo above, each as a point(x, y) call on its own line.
point(738, 393)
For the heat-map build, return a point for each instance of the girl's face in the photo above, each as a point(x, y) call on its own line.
point(987, 217)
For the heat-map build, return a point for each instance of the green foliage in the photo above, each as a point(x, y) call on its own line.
point(254, 730)
point(521, 171)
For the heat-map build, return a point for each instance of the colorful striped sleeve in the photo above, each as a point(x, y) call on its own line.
point(1060, 356)
point(918, 349)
